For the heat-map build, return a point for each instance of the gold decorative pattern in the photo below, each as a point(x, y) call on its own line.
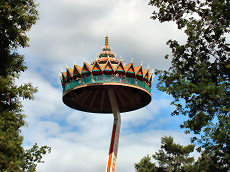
point(109, 66)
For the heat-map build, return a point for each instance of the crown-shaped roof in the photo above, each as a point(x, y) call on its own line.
point(69, 72)
point(107, 64)
point(138, 70)
point(86, 68)
point(96, 66)
point(130, 68)
point(146, 74)
point(77, 70)
point(120, 67)
point(106, 53)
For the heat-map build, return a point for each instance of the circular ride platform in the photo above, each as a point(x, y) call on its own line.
point(90, 94)
point(107, 86)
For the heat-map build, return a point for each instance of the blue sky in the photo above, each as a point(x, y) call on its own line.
point(71, 32)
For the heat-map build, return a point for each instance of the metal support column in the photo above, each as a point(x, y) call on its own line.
point(115, 133)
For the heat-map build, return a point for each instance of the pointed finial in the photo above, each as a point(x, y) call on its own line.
point(153, 75)
point(132, 60)
point(106, 41)
point(152, 71)
point(148, 67)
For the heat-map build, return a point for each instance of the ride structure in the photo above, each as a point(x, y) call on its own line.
point(107, 85)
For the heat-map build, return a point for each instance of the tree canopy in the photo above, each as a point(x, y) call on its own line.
point(16, 18)
point(171, 157)
point(198, 78)
point(199, 74)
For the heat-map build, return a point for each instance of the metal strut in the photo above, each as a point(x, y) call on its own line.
point(115, 133)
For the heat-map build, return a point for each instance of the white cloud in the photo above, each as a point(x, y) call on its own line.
point(47, 101)
point(75, 30)
point(68, 31)
point(86, 153)
point(80, 141)
point(141, 116)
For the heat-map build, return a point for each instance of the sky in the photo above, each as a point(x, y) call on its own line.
point(73, 31)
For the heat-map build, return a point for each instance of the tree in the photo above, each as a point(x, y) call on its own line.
point(16, 18)
point(208, 162)
point(198, 78)
point(174, 157)
point(145, 165)
point(33, 156)
point(171, 157)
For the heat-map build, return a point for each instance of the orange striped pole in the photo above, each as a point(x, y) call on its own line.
point(115, 133)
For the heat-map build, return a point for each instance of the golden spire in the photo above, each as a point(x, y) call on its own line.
point(106, 41)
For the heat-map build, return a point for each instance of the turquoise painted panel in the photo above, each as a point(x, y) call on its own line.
point(106, 78)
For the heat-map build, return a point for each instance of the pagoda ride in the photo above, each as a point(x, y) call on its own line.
point(107, 85)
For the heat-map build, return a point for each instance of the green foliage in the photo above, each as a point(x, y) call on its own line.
point(11, 120)
point(198, 78)
point(145, 165)
point(209, 162)
point(174, 157)
point(34, 156)
point(171, 157)
point(16, 17)
point(216, 143)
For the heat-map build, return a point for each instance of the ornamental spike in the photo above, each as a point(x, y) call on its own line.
point(106, 41)
point(152, 71)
